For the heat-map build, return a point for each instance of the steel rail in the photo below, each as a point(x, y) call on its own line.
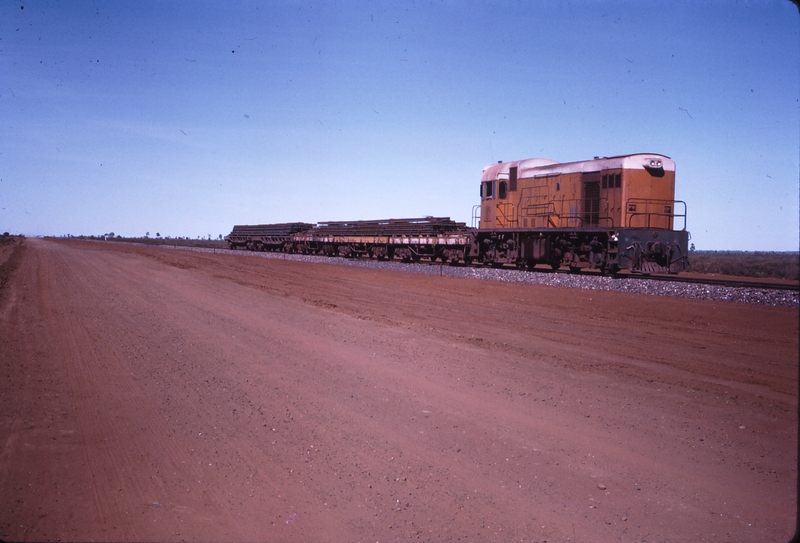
point(739, 282)
point(743, 282)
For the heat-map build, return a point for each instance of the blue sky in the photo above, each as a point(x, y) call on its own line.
point(185, 118)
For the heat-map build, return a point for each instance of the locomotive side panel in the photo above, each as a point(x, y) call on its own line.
point(545, 201)
point(648, 199)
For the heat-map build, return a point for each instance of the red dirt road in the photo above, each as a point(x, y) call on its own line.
point(164, 395)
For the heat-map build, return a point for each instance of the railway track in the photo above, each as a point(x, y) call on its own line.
point(739, 282)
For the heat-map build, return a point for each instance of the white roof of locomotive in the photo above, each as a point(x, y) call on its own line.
point(536, 167)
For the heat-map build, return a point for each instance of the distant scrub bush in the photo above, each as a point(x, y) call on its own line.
point(208, 243)
point(776, 265)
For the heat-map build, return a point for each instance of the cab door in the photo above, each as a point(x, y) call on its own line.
point(590, 201)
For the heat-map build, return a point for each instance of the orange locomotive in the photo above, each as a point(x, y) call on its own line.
point(609, 213)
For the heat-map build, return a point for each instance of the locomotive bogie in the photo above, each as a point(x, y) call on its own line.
point(608, 251)
point(653, 251)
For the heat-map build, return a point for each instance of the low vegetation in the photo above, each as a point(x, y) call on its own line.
point(185, 242)
point(777, 265)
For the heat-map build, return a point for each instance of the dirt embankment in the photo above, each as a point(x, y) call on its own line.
point(160, 395)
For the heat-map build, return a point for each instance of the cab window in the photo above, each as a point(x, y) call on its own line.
point(503, 192)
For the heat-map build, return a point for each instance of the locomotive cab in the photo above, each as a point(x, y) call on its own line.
point(575, 214)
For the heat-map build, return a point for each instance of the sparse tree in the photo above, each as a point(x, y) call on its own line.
point(147, 234)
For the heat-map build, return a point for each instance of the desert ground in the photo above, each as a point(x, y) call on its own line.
point(157, 395)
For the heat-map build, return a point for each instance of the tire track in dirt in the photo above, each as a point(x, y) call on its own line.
point(107, 408)
point(131, 298)
point(87, 399)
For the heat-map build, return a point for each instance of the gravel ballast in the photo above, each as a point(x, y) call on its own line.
point(773, 297)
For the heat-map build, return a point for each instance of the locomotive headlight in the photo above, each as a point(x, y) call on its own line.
point(654, 166)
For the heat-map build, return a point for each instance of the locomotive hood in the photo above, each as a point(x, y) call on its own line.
point(501, 169)
point(534, 167)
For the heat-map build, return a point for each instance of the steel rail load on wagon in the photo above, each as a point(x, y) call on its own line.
point(407, 239)
point(264, 237)
point(608, 214)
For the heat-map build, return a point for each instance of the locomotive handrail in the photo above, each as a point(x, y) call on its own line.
point(510, 219)
point(654, 208)
point(574, 216)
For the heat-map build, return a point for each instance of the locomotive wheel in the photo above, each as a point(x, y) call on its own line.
point(610, 269)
